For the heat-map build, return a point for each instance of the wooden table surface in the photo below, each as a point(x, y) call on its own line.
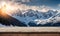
point(30, 34)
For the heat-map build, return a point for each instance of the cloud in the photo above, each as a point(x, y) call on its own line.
point(20, 0)
point(58, 7)
point(41, 8)
point(21, 6)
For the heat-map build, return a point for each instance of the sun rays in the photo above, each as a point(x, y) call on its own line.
point(6, 8)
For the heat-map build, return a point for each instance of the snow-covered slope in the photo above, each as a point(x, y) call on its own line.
point(36, 17)
point(53, 21)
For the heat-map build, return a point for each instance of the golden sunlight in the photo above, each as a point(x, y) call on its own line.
point(6, 8)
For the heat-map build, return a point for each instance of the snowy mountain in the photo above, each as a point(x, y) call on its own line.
point(52, 21)
point(34, 18)
point(31, 17)
point(8, 20)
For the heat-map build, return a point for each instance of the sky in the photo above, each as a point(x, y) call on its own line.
point(42, 5)
point(52, 3)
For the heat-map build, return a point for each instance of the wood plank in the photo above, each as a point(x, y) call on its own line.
point(30, 34)
point(44, 34)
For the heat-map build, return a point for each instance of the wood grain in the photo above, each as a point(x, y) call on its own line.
point(30, 34)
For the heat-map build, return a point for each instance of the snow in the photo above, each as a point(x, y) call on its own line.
point(36, 16)
point(2, 25)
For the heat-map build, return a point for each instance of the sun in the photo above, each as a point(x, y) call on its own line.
point(6, 8)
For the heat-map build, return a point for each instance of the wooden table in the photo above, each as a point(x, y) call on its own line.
point(30, 34)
